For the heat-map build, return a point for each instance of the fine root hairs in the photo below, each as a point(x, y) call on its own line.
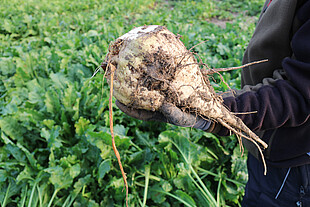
point(95, 72)
point(238, 133)
point(112, 70)
point(216, 70)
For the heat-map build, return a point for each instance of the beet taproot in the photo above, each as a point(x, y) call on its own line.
point(150, 65)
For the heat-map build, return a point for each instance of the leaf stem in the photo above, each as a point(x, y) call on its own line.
point(147, 178)
point(31, 195)
point(205, 189)
point(66, 201)
point(202, 186)
point(218, 191)
point(24, 196)
point(215, 175)
point(53, 196)
point(6, 195)
point(175, 197)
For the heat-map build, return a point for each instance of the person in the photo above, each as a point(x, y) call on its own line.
point(279, 91)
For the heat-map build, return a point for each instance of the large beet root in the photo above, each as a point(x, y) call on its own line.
point(149, 66)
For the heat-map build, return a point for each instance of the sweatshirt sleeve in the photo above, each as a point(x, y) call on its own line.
point(285, 102)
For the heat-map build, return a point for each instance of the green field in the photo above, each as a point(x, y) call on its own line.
point(55, 144)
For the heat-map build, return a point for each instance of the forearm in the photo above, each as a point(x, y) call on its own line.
point(284, 99)
point(271, 106)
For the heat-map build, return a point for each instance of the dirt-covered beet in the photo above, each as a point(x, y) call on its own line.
point(146, 60)
point(151, 66)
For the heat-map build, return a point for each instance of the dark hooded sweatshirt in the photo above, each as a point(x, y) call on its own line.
point(279, 90)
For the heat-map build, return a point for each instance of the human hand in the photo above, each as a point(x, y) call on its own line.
point(168, 113)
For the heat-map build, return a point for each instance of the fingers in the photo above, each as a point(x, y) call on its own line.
point(135, 113)
point(141, 114)
point(168, 113)
point(121, 106)
point(177, 117)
